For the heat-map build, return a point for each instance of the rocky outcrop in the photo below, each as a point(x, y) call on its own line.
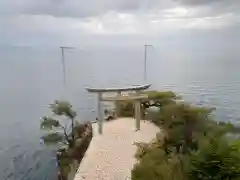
point(85, 134)
point(69, 159)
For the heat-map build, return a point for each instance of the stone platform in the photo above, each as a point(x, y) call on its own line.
point(110, 155)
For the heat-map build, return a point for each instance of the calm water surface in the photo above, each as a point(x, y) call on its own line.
point(31, 78)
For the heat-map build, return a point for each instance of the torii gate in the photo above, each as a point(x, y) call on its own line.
point(136, 97)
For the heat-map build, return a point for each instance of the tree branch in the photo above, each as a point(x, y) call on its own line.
point(72, 126)
point(65, 134)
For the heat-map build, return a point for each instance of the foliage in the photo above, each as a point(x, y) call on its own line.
point(49, 122)
point(154, 164)
point(57, 132)
point(216, 159)
point(183, 124)
point(230, 127)
point(51, 138)
point(126, 109)
point(192, 146)
point(63, 108)
point(159, 99)
point(155, 99)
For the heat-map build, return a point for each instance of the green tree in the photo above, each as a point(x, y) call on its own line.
point(56, 131)
point(192, 146)
point(155, 99)
point(183, 125)
point(216, 159)
point(159, 99)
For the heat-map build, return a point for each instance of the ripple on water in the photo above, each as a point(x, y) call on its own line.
point(25, 163)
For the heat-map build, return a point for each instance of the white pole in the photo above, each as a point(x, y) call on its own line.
point(64, 65)
point(100, 118)
point(145, 61)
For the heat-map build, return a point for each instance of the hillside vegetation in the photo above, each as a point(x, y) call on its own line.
point(192, 145)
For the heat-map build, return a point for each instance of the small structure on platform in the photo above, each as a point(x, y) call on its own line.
point(137, 96)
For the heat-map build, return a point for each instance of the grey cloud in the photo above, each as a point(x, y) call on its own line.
point(199, 2)
point(207, 8)
point(88, 8)
point(75, 8)
point(43, 30)
point(215, 5)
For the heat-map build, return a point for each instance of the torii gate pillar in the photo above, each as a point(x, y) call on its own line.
point(137, 108)
point(100, 115)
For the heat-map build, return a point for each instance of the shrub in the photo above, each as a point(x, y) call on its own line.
point(192, 147)
point(216, 159)
point(155, 99)
point(126, 109)
point(155, 165)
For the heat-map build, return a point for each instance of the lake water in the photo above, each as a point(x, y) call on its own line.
point(31, 78)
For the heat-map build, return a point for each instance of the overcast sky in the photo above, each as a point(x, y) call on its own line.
point(79, 22)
